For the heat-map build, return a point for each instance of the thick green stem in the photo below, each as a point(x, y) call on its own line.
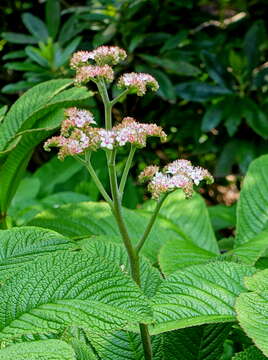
point(126, 169)
point(116, 208)
point(150, 223)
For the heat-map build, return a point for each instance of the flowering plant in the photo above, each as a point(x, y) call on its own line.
point(79, 137)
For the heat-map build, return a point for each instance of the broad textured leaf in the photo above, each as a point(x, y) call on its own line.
point(252, 309)
point(82, 350)
point(28, 107)
point(178, 253)
point(252, 250)
point(14, 167)
point(150, 276)
point(19, 246)
point(251, 353)
point(36, 26)
point(86, 219)
point(70, 289)
point(191, 216)
point(122, 345)
point(39, 350)
point(252, 208)
point(200, 294)
point(222, 216)
point(200, 342)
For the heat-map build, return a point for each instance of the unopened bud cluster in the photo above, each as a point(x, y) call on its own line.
point(180, 174)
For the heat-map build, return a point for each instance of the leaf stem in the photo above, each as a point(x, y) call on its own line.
point(150, 223)
point(95, 178)
point(126, 169)
point(116, 99)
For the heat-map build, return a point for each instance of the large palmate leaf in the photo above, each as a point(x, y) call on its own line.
point(39, 350)
point(251, 353)
point(200, 342)
point(150, 276)
point(250, 251)
point(36, 103)
point(179, 253)
point(252, 310)
point(252, 209)
point(198, 295)
point(19, 246)
point(122, 345)
point(70, 289)
point(192, 217)
point(86, 219)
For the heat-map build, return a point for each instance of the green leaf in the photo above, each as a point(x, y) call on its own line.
point(122, 345)
point(53, 17)
point(68, 51)
point(222, 216)
point(35, 55)
point(184, 213)
point(39, 350)
point(251, 353)
point(150, 276)
point(86, 219)
point(35, 26)
point(20, 246)
point(166, 89)
point(56, 172)
point(252, 250)
point(70, 289)
point(200, 294)
point(28, 108)
point(214, 68)
point(23, 66)
point(14, 55)
point(17, 87)
point(178, 253)
point(253, 39)
point(3, 111)
point(17, 38)
point(199, 91)
point(200, 342)
point(82, 350)
point(252, 208)
point(255, 117)
point(252, 310)
point(212, 117)
point(13, 169)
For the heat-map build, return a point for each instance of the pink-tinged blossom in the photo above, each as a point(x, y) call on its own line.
point(107, 139)
point(110, 55)
point(79, 59)
point(180, 174)
point(103, 55)
point(87, 73)
point(138, 82)
point(129, 130)
point(80, 118)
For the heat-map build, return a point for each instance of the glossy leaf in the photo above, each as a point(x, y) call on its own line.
point(53, 17)
point(35, 26)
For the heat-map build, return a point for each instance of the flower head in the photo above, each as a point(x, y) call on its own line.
point(103, 55)
point(87, 73)
point(138, 82)
point(180, 174)
point(129, 130)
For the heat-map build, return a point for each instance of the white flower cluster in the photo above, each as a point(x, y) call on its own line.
point(180, 174)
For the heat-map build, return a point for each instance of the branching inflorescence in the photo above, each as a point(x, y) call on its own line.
point(79, 136)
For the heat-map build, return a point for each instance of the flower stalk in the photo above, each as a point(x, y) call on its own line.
point(79, 136)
